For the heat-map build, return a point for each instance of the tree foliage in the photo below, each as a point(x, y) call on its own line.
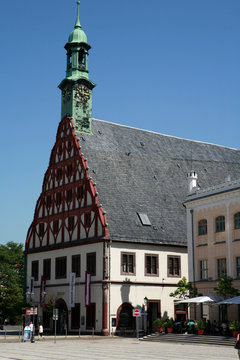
point(225, 288)
point(184, 290)
point(11, 282)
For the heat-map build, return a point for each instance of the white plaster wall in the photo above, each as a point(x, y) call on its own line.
point(140, 251)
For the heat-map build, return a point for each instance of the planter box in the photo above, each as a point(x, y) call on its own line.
point(200, 331)
point(169, 330)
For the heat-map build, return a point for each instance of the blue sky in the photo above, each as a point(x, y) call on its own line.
point(170, 66)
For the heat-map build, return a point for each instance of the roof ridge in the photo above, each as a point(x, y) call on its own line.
point(170, 136)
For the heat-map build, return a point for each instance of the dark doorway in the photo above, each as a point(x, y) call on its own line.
point(154, 311)
point(62, 323)
point(91, 316)
point(125, 319)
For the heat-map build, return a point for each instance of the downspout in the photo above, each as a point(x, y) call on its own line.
point(193, 257)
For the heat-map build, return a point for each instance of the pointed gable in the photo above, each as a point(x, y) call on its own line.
point(68, 209)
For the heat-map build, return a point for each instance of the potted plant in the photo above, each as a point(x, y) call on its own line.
point(235, 327)
point(201, 325)
point(170, 324)
point(159, 323)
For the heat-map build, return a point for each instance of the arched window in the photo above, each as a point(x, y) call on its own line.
point(69, 60)
point(202, 227)
point(220, 223)
point(237, 221)
point(81, 59)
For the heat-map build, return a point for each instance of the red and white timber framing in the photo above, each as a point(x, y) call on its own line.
point(68, 208)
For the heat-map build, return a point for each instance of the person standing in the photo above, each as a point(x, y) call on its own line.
point(40, 330)
point(31, 331)
point(237, 345)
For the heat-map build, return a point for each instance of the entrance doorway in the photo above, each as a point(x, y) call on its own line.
point(154, 311)
point(62, 322)
point(91, 316)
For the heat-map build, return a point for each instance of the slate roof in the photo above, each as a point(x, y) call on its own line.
point(139, 171)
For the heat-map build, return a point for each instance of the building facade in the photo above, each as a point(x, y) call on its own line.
point(109, 228)
point(213, 218)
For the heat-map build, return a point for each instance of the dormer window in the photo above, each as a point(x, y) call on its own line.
point(81, 59)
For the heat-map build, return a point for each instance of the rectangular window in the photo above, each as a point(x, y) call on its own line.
point(91, 263)
point(128, 263)
point(80, 192)
point(75, 317)
point(35, 270)
point(49, 200)
point(151, 265)
point(221, 267)
point(237, 221)
point(71, 223)
point(61, 267)
point(174, 266)
point(87, 219)
point(238, 267)
point(76, 265)
point(47, 268)
point(202, 227)
point(41, 229)
point(203, 270)
point(220, 223)
point(69, 170)
point(55, 226)
point(59, 174)
point(69, 195)
point(59, 198)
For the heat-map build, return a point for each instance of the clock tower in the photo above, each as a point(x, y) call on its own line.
point(76, 87)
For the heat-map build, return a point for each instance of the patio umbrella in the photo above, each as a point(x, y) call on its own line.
point(234, 300)
point(201, 299)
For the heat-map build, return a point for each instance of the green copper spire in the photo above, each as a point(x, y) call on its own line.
point(76, 87)
point(78, 25)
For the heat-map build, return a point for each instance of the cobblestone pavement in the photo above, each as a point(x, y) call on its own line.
point(111, 348)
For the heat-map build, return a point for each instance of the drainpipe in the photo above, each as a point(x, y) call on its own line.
point(193, 257)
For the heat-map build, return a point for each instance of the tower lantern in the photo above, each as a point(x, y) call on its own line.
point(76, 87)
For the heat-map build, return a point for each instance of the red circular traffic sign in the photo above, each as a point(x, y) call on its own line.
point(137, 312)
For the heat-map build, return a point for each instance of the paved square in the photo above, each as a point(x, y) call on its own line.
point(111, 348)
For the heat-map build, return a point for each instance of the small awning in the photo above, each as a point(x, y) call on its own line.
point(234, 300)
point(201, 299)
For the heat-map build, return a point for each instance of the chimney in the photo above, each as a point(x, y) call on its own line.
point(192, 181)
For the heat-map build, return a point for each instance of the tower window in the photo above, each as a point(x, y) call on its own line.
point(81, 59)
point(69, 60)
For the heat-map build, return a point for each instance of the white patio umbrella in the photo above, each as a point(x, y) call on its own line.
point(234, 300)
point(201, 299)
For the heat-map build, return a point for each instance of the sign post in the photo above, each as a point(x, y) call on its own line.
point(55, 318)
point(137, 314)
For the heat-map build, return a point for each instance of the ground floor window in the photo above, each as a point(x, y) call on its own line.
point(75, 317)
point(91, 316)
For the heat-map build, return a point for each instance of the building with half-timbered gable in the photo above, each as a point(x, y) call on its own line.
point(109, 228)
